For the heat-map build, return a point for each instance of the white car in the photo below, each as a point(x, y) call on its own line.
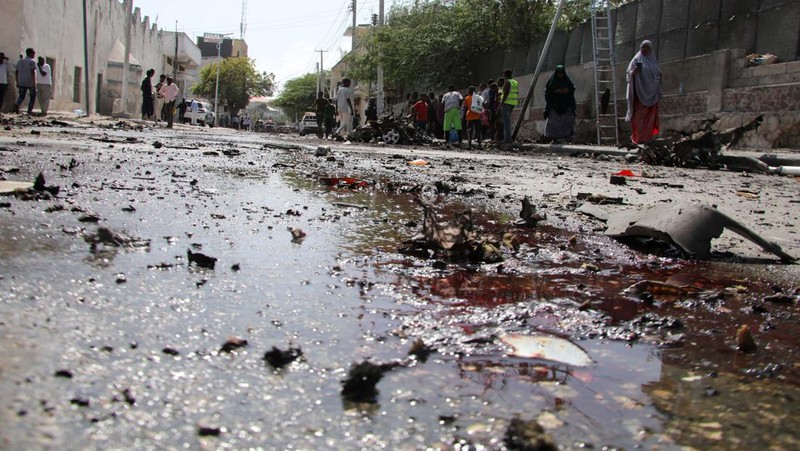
point(308, 124)
point(205, 116)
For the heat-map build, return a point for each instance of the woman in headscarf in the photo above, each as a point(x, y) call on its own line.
point(559, 95)
point(644, 93)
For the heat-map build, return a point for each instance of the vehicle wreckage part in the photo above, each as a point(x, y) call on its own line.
point(688, 226)
point(391, 136)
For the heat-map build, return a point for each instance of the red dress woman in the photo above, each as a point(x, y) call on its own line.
point(644, 93)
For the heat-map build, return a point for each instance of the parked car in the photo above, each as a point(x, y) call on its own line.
point(205, 116)
point(308, 124)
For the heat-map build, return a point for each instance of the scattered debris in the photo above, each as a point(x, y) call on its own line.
point(529, 216)
point(744, 340)
point(528, 436)
point(297, 235)
point(39, 185)
point(700, 149)
point(547, 348)
point(107, 139)
point(106, 237)
point(89, 218)
point(759, 59)
point(11, 187)
point(278, 358)
point(455, 239)
point(360, 385)
point(80, 402)
point(232, 344)
point(207, 429)
point(420, 350)
point(617, 180)
point(201, 260)
point(600, 199)
point(344, 182)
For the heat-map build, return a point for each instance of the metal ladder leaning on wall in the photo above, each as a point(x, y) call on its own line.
point(604, 74)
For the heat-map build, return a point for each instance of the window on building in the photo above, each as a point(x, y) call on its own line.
point(76, 85)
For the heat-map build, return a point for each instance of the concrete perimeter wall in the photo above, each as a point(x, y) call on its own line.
point(701, 46)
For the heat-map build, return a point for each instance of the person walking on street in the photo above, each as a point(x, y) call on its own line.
point(319, 112)
point(644, 93)
point(474, 106)
point(26, 80)
point(451, 102)
point(44, 85)
point(3, 78)
point(420, 112)
point(510, 100)
point(371, 114)
point(432, 122)
point(181, 110)
point(147, 94)
point(559, 110)
point(195, 109)
point(159, 106)
point(330, 118)
point(169, 92)
point(344, 105)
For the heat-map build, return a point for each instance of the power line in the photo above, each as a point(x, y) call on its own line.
point(325, 36)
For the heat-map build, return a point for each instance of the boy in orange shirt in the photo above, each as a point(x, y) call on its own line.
point(474, 105)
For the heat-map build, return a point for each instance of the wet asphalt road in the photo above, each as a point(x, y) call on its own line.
point(120, 346)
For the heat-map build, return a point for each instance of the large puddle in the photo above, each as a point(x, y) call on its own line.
point(140, 330)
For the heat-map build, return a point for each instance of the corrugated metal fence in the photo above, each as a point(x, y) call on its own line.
point(679, 29)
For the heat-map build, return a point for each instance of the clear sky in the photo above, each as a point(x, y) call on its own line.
point(281, 36)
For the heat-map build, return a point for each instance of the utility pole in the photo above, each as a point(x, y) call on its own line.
point(126, 61)
point(319, 73)
point(353, 45)
point(86, 55)
point(175, 61)
point(380, 66)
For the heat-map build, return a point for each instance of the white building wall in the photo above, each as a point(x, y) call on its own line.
point(54, 28)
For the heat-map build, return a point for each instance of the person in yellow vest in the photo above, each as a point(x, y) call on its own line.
point(510, 100)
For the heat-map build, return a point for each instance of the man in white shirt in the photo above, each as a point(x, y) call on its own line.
point(344, 105)
point(3, 78)
point(169, 93)
point(194, 108)
point(44, 84)
point(159, 99)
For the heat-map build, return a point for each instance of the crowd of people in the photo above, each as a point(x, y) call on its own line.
point(485, 112)
point(161, 101)
point(34, 79)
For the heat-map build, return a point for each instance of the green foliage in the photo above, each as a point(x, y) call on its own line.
point(298, 95)
point(238, 82)
point(434, 43)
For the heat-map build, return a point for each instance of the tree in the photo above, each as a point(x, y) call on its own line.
point(238, 82)
point(298, 94)
point(437, 42)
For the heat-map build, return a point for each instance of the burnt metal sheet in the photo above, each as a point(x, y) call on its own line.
point(689, 226)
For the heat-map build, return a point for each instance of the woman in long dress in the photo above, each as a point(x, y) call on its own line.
point(559, 108)
point(644, 93)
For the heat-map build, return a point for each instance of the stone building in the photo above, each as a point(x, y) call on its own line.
point(55, 29)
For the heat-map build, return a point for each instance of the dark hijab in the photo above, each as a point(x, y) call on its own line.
point(560, 102)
